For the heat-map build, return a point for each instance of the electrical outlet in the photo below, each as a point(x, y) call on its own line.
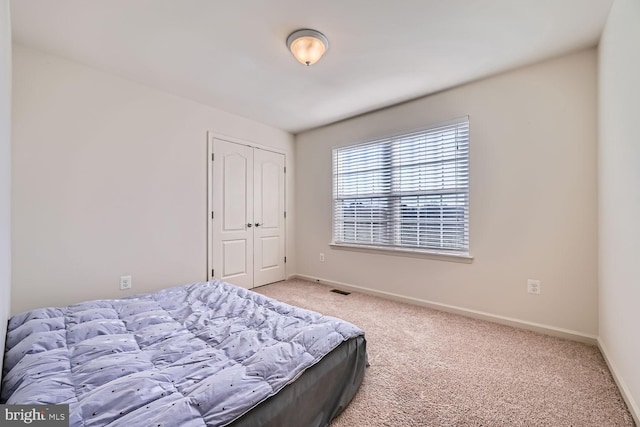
point(125, 283)
point(321, 257)
point(533, 286)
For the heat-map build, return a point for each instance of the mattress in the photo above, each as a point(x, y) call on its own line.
point(201, 354)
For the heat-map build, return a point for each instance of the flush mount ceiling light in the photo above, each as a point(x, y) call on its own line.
point(307, 46)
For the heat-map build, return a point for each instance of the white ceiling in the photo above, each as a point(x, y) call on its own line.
point(231, 54)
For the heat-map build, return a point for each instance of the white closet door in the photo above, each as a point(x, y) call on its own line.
point(233, 181)
point(247, 239)
point(269, 221)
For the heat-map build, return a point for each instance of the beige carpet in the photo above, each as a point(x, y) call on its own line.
point(430, 368)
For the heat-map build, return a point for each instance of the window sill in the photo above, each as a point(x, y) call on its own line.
point(413, 253)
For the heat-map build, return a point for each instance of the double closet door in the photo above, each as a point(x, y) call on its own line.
point(248, 216)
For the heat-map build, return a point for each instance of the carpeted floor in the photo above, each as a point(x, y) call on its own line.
point(431, 368)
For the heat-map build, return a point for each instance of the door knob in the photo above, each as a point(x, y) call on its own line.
point(257, 224)
point(249, 225)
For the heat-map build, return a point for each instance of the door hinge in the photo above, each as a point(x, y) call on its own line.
point(213, 272)
point(285, 260)
point(212, 157)
point(285, 214)
point(285, 169)
point(212, 216)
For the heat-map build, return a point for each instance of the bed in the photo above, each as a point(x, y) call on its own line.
point(201, 354)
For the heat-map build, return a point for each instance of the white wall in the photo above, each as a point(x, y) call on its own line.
point(619, 196)
point(5, 170)
point(533, 198)
point(109, 178)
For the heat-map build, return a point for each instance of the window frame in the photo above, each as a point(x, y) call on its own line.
point(439, 253)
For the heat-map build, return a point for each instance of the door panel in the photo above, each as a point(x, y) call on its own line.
point(234, 193)
point(233, 240)
point(270, 211)
point(270, 252)
point(234, 258)
point(269, 205)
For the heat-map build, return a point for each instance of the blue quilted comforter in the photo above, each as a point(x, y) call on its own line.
point(194, 355)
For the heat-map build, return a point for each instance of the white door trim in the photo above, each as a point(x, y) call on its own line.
point(213, 135)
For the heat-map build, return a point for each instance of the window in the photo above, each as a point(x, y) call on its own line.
point(405, 192)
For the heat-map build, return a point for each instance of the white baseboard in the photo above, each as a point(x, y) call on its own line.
point(522, 324)
point(622, 386)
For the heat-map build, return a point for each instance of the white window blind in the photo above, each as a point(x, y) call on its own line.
point(408, 191)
